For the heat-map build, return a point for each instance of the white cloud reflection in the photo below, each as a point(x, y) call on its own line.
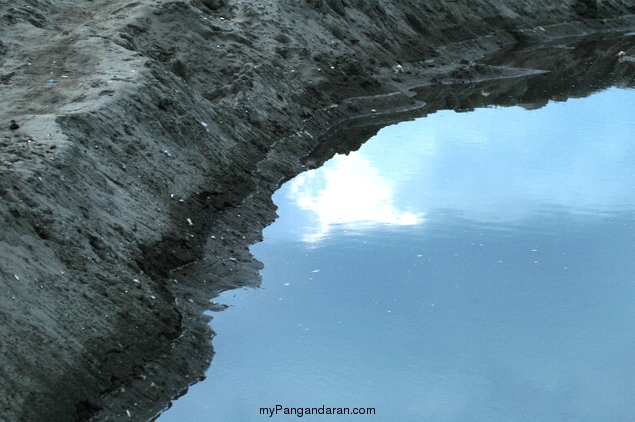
point(498, 166)
point(349, 193)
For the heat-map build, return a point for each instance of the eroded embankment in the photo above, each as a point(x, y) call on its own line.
point(146, 128)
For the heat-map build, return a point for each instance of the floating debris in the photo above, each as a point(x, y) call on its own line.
point(166, 152)
point(217, 307)
point(14, 125)
point(189, 221)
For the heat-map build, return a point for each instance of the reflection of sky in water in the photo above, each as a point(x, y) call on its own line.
point(445, 317)
point(492, 165)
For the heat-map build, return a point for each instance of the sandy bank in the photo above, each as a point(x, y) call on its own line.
point(152, 134)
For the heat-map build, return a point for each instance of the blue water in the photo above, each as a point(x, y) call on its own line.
point(459, 267)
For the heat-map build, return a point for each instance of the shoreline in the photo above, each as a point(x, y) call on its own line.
point(171, 122)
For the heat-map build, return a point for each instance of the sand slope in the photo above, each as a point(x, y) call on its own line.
point(147, 127)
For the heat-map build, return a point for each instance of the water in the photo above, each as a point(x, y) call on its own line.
point(460, 267)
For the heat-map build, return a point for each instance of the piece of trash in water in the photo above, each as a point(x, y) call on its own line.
point(14, 125)
point(315, 271)
point(206, 126)
point(51, 81)
point(217, 307)
point(189, 221)
point(166, 152)
point(128, 413)
point(16, 277)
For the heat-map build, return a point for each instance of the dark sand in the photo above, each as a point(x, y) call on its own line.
point(153, 133)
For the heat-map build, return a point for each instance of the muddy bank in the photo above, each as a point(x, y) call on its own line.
point(152, 134)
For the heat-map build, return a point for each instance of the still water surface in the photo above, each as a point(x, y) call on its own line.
point(459, 267)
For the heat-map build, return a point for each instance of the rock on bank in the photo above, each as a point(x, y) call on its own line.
point(142, 125)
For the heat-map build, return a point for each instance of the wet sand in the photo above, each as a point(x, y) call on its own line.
point(152, 135)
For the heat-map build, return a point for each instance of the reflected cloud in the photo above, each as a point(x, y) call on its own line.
point(350, 193)
point(495, 165)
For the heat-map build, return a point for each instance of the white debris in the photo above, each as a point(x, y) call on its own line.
point(189, 221)
point(16, 277)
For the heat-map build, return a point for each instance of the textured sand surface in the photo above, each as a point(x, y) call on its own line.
point(152, 135)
